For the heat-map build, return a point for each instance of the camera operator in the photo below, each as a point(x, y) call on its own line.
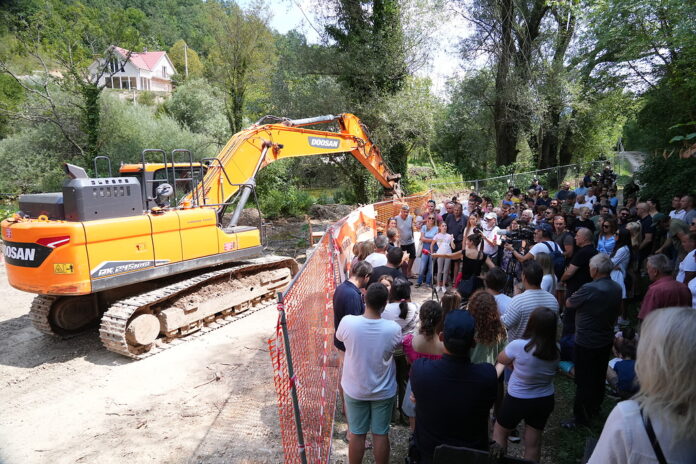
point(543, 239)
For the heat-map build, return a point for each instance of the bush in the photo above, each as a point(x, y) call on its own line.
point(292, 202)
point(663, 178)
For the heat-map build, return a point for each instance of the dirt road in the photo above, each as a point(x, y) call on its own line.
point(73, 401)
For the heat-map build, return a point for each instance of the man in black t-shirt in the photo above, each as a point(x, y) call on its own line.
point(578, 272)
point(648, 231)
point(394, 257)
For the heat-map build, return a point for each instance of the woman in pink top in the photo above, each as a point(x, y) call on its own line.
point(424, 344)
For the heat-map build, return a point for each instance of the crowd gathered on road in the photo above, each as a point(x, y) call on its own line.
point(576, 282)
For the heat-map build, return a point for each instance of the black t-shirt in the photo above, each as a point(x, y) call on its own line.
point(647, 225)
point(587, 223)
point(453, 399)
point(581, 259)
point(379, 271)
point(543, 201)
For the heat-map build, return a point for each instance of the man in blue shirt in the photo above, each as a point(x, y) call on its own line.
point(453, 396)
point(348, 299)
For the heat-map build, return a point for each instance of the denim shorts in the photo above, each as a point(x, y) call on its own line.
point(365, 416)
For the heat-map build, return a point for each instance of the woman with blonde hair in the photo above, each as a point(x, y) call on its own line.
point(549, 281)
point(657, 425)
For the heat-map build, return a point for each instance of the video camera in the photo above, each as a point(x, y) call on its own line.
point(517, 237)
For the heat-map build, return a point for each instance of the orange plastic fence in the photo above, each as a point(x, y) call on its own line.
point(308, 308)
point(309, 314)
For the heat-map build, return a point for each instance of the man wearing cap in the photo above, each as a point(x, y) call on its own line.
point(453, 396)
point(404, 224)
point(490, 235)
point(543, 238)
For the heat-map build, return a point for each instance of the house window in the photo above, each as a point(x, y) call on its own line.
point(107, 82)
point(164, 71)
point(114, 65)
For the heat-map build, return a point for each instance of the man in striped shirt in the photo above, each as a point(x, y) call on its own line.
point(521, 306)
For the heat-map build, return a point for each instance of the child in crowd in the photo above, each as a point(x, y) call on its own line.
point(424, 344)
point(621, 373)
point(443, 240)
point(451, 300)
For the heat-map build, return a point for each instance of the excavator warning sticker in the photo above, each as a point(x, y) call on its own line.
point(229, 246)
point(63, 268)
point(322, 142)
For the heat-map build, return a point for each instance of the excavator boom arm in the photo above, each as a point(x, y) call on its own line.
point(254, 148)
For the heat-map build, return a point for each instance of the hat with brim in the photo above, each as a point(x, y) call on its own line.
point(459, 329)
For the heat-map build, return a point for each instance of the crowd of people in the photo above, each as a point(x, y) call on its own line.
point(522, 290)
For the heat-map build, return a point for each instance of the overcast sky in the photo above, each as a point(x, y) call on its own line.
point(297, 14)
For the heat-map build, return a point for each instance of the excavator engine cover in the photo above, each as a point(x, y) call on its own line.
point(102, 198)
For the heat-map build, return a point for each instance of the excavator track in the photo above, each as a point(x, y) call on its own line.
point(115, 322)
point(38, 314)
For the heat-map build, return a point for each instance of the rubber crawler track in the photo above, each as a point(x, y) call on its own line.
point(112, 331)
point(40, 307)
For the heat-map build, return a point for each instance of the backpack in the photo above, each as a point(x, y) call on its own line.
point(558, 259)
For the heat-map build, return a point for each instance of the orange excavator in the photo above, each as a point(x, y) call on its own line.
point(146, 255)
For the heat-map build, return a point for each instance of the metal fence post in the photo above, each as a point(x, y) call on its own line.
point(293, 383)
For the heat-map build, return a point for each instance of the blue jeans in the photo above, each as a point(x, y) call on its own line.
point(426, 270)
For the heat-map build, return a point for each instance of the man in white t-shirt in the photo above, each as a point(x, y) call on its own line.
point(521, 306)
point(369, 374)
point(491, 238)
point(379, 257)
point(581, 202)
point(687, 266)
point(677, 211)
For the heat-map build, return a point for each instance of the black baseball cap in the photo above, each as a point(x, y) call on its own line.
point(459, 330)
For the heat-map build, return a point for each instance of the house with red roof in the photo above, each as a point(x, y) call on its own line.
point(135, 70)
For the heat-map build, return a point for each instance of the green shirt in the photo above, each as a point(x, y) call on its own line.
point(487, 353)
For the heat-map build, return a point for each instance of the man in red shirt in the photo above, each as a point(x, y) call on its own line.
point(664, 291)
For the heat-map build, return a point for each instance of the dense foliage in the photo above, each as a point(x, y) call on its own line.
point(544, 83)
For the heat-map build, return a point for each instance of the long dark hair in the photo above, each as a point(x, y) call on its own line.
point(476, 240)
point(623, 240)
point(401, 292)
point(541, 330)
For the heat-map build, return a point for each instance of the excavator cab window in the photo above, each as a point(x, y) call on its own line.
point(184, 181)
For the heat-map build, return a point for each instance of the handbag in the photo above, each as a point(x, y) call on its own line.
point(653, 438)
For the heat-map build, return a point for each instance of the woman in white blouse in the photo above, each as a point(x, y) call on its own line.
point(665, 406)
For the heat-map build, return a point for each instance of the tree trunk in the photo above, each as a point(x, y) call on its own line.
point(91, 119)
point(505, 129)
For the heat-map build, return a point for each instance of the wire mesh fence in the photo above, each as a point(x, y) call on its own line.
point(495, 187)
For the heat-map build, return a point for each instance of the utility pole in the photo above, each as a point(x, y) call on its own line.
point(186, 59)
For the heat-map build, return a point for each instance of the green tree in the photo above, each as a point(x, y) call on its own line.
point(241, 59)
point(184, 57)
point(198, 106)
point(64, 40)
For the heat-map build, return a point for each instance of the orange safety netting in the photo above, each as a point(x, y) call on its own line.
point(308, 307)
point(309, 313)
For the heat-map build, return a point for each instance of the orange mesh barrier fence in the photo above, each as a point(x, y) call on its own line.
point(313, 372)
point(305, 363)
point(388, 209)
